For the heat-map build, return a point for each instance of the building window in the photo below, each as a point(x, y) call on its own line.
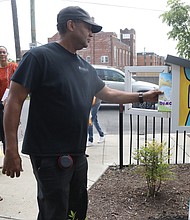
point(88, 59)
point(104, 59)
point(124, 58)
point(126, 36)
point(127, 58)
point(120, 57)
point(115, 54)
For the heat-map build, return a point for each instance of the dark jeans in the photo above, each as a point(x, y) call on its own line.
point(94, 111)
point(2, 137)
point(61, 190)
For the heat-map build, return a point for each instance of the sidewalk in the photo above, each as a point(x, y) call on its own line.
point(19, 194)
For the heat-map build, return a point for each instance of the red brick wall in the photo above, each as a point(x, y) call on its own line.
point(149, 59)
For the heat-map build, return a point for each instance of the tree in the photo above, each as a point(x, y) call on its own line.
point(178, 17)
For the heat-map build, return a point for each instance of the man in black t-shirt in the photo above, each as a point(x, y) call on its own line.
point(61, 86)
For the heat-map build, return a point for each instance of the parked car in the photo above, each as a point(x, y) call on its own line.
point(115, 78)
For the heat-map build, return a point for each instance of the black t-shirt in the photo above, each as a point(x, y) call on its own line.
point(62, 86)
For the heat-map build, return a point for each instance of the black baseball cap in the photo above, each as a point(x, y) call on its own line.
point(77, 13)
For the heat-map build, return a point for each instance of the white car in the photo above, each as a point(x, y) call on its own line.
point(115, 79)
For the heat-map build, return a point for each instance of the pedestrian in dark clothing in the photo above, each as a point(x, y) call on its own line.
point(61, 86)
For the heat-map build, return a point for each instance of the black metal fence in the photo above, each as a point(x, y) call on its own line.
point(145, 128)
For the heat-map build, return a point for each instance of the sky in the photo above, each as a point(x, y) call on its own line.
point(141, 15)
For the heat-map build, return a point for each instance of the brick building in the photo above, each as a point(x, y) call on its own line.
point(106, 49)
point(149, 59)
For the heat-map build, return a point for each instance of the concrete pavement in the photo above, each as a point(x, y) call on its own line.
point(19, 194)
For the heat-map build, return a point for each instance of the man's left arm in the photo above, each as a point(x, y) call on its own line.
point(121, 97)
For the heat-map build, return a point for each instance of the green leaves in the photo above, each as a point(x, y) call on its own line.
point(178, 18)
point(153, 158)
point(72, 216)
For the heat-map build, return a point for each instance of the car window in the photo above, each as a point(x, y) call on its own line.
point(112, 75)
point(100, 73)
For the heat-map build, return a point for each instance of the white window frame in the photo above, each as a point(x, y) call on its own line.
point(104, 59)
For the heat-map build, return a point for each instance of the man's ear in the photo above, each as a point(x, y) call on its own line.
point(71, 25)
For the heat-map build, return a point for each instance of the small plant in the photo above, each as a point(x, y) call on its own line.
point(153, 165)
point(72, 216)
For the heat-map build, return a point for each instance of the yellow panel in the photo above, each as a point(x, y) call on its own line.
point(183, 97)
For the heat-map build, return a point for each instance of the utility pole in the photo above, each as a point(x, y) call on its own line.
point(144, 57)
point(33, 25)
point(16, 30)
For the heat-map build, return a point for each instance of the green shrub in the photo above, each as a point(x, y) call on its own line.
point(154, 166)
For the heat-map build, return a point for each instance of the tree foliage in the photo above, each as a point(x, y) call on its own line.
point(178, 17)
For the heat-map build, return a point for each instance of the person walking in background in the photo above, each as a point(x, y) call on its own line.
point(94, 121)
point(61, 86)
point(6, 71)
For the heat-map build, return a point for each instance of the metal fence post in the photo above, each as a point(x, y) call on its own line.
point(121, 136)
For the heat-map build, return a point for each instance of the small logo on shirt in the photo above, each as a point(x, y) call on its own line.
point(83, 69)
